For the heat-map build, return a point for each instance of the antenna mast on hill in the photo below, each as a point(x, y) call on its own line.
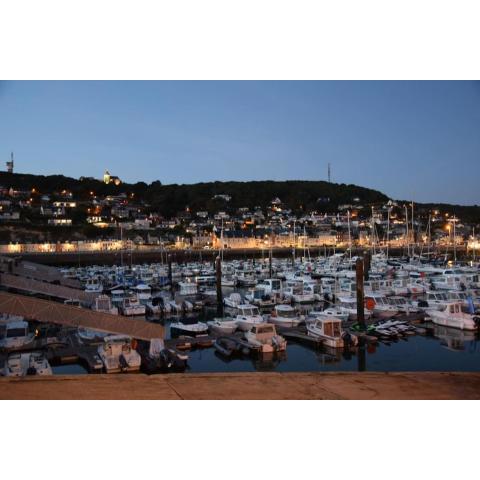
point(329, 174)
point(10, 164)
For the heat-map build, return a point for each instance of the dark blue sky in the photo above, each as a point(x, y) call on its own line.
point(416, 140)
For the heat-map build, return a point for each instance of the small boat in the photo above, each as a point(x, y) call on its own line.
point(119, 355)
point(22, 364)
point(90, 336)
point(285, 316)
point(161, 359)
point(190, 329)
point(453, 316)
point(264, 338)
point(221, 326)
point(227, 347)
point(247, 316)
point(329, 330)
point(337, 312)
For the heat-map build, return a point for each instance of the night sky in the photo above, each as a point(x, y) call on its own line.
point(417, 140)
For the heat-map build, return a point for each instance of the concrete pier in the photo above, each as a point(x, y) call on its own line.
point(246, 386)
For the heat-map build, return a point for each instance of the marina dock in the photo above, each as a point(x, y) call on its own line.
point(248, 386)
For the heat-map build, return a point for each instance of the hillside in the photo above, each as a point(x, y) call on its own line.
point(169, 199)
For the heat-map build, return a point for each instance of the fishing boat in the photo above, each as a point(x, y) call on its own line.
point(222, 326)
point(264, 338)
point(118, 354)
point(247, 316)
point(132, 307)
point(329, 330)
point(16, 335)
point(258, 296)
point(453, 316)
point(285, 316)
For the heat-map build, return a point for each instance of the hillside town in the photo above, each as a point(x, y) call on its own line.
point(61, 221)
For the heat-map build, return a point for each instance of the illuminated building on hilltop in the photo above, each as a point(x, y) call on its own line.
point(107, 178)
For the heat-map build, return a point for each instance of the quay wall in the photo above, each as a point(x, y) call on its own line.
point(249, 386)
point(111, 257)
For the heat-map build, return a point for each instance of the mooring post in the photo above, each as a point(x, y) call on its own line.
point(170, 277)
point(218, 270)
point(360, 300)
point(270, 270)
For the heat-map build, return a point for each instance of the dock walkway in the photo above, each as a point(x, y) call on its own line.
point(248, 386)
point(53, 312)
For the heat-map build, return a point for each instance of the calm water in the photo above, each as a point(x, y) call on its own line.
point(442, 349)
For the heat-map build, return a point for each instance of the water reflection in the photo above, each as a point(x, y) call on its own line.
point(454, 339)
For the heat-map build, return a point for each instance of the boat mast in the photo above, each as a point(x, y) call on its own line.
point(349, 235)
point(406, 233)
point(294, 241)
point(413, 234)
point(388, 229)
point(473, 243)
point(373, 234)
point(454, 240)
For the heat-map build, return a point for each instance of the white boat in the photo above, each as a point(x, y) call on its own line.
point(143, 293)
point(188, 288)
point(132, 307)
point(190, 329)
point(118, 355)
point(93, 285)
point(16, 335)
point(453, 316)
point(221, 326)
point(264, 337)
point(103, 304)
point(247, 316)
point(30, 363)
point(329, 330)
point(298, 294)
point(90, 336)
point(349, 305)
point(337, 312)
point(285, 316)
point(233, 300)
point(381, 307)
point(258, 296)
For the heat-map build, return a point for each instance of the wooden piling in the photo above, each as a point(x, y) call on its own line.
point(218, 271)
point(360, 296)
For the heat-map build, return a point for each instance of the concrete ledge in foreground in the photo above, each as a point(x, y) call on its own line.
point(246, 386)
